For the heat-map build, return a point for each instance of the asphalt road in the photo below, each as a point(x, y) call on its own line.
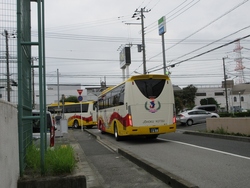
point(204, 161)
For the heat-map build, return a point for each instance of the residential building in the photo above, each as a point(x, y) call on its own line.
point(238, 96)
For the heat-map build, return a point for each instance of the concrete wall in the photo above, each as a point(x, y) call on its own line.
point(231, 125)
point(52, 182)
point(9, 152)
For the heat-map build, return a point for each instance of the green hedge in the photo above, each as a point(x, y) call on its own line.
point(237, 114)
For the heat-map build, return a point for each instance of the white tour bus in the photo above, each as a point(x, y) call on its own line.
point(142, 105)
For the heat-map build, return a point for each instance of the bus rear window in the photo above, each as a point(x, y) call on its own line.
point(150, 87)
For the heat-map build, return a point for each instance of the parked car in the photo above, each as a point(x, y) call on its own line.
point(191, 117)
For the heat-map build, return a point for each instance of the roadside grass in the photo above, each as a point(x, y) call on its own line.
point(58, 161)
point(224, 132)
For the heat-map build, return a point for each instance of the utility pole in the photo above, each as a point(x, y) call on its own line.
point(225, 82)
point(58, 100)
point(143, 36)
point(143, 43)
point(7, 64)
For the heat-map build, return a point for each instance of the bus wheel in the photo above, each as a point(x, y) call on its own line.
point(75, 124)
point(117, 137)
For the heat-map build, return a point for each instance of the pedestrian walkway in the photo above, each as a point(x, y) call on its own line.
point(83, 167)
point(104, 168)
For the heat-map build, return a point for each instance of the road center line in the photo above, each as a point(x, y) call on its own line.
point(209, 149)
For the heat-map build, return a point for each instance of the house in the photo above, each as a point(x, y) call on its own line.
point(238, 96)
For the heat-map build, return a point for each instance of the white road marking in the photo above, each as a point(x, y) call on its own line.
point(209, 149)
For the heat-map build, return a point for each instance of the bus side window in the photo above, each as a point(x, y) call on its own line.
point(77, 108)
point(121, 99)
point(116, 100)
point(100, 104)
point(110, 102)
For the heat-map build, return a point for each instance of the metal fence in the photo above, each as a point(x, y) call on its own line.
point(24, 80)
point(8, 51)
point(16, 65)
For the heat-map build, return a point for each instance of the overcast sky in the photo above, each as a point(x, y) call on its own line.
point(84, 38)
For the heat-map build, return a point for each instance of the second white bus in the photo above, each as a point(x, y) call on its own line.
point(77, 114)
point(142, 105)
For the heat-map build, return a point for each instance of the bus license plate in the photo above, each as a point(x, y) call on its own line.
point(154, 130)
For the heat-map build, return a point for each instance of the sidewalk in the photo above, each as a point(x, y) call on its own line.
point(83, 166)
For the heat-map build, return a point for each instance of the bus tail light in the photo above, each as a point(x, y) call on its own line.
point(127, 121)
point(174, 119)
point(130, 123)
point(174, 114)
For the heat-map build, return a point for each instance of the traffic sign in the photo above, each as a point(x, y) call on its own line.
point(79, 91)
point(79, 98)
point(162, 25)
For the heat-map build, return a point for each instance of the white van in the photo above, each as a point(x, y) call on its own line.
point(36, 123)
point(208, 107)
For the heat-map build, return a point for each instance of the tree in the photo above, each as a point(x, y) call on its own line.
point(70, 99)
point(209, 100)
point(178, 100)
point(178, 104)
point(188, 96)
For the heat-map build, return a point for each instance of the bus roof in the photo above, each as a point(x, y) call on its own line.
point(138, 77)
point(69, 103)
point(145, 76)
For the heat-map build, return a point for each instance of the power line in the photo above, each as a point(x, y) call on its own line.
point(202, 28)
point(154, 24)
point(174, 64)
point(212, 43)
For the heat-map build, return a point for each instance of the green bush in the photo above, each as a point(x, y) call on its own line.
point(236, 114)
point(59, 160)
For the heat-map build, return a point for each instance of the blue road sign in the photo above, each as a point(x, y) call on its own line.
point(80, 98)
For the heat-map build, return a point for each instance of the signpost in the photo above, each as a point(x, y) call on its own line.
point(79, 91)
point(162, 30)
point(80, 98)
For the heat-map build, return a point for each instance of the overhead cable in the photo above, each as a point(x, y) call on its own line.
point(172, 65)
point(201, 28)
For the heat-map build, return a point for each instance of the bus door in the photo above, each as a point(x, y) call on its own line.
point(94, 112)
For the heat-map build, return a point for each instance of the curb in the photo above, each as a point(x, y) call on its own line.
point(51, 182)
point(163, 175)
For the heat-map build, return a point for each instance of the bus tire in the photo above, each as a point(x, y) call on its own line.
point(117, 137)
point(75, 124)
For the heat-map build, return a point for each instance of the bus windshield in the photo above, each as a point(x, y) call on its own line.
point(150, 87)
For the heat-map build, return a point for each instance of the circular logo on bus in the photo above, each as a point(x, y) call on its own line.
point(151, 106)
